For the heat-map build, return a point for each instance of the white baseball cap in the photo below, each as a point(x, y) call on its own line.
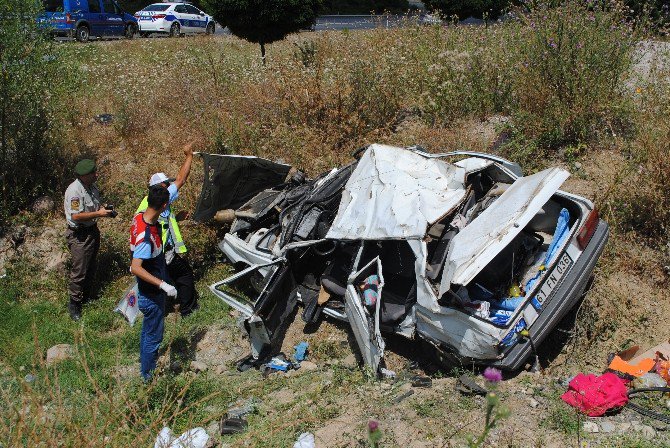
point(159, 178)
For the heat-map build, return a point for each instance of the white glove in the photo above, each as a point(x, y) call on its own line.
point(170, 290)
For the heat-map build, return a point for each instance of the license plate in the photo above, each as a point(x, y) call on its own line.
point(553, 279)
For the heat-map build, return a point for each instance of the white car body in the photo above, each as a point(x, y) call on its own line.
point(175, 18)
point(381, 216)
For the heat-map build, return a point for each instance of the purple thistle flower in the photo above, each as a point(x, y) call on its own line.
point(373, 426)
point(492, 375)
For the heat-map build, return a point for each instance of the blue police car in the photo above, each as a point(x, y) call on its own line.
point(83, 19)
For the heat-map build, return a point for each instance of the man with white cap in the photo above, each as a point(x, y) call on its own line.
point(179, 269)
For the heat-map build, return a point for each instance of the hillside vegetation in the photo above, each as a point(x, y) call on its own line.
point(570, 87)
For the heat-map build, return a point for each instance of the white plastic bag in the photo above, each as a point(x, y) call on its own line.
point(306, 440)
point(193, 438)
point(129, 307)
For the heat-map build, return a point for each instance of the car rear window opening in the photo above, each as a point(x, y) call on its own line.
point(156, 8)
point(53, 5)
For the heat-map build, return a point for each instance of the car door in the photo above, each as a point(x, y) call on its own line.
point(96, 18)
point(113, 15)
point(197, 18)
point(183, 17)
point(364, 320)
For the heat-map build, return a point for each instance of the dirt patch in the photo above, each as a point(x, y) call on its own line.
point(220, 347)
point(41, 245)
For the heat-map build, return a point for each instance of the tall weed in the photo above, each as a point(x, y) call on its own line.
point(641, 197)
point(576, 59)
point(473, 74)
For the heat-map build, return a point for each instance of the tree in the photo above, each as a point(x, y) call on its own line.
point(32, 76)
point(466, 8)
point(264, 21)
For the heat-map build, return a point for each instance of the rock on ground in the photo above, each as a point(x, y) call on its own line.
point(591, 427)
point(44, 246)
point(198, 366)
point(59, 352)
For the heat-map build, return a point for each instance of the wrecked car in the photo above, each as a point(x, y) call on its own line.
point(457, 249)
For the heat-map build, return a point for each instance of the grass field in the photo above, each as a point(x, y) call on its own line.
point(562, 87)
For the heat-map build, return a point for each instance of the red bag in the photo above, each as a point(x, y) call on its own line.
point(595, 395)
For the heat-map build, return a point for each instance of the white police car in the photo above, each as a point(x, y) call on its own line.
point(174, 18)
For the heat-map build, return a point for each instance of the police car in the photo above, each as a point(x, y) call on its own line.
point(173, 18)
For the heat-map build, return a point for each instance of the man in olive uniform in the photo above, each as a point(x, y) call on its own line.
point(82, 210)
point(178, 267)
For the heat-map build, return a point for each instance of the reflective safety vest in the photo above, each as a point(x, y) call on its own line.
point(167, 225)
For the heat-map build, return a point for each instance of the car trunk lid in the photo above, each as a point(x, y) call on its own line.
point(488, 234)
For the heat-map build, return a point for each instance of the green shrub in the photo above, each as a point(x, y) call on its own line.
point(575, 61)
point(31, 76)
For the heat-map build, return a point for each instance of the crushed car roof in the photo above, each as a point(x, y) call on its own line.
point(394, 193)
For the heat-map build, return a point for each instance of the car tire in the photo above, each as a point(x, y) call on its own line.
point(210, 29)
point(131, 29)
point(82, 34)
point(175, 30)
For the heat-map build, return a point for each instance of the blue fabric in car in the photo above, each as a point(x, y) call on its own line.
point(560, 235)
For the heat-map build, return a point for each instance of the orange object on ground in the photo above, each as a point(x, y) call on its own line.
point(663, 369)
point(636, 370)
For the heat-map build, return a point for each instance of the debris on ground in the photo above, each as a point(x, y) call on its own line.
point(594, 395)
point(387, 374)
point(300, 352)
point(305, 440)
point(248, 407)
point(193, 438)
point(104, 119)
point(631, 373)
point(233, 425)
point(422, 381)
point(467, 386)
point(402, 396)
point(279, 363)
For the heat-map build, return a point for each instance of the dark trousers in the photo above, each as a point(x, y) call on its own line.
point(84, 245)
point(181, 274)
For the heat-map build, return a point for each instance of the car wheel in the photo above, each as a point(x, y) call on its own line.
point(130, 31)
point(210, 29)
point(82, 33)
point(174, 30)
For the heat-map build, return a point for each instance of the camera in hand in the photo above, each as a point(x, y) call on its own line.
point(114, 213)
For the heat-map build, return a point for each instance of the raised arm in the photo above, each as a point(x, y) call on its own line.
point(186, 166)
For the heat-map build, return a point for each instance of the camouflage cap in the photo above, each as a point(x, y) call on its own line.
point(85, 166)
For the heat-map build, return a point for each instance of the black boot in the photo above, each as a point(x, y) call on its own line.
point(74, 307)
